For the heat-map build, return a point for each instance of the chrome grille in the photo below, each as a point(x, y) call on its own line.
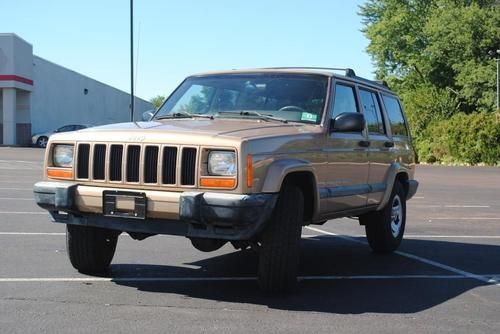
point(144, 164)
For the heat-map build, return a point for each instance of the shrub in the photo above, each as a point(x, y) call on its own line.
point(471, 139)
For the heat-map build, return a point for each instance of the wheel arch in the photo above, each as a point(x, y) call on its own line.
point(395, 173)
point(302, 174)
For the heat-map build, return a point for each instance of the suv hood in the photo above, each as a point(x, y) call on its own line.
point(180, 129)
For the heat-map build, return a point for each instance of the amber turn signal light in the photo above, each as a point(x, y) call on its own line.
point(249, 171)
point(218, 183)
point(60, 173)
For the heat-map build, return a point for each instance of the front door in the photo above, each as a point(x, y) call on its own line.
point(347, 186)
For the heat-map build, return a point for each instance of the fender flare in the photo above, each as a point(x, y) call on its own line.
point(390, 178)
point(280, 169)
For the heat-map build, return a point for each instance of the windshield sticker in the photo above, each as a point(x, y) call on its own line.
point(306, 116)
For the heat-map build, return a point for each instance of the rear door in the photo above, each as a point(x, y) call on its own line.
point(402, 151)
point(381, 145)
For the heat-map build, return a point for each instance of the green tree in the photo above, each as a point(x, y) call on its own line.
point(157, 101)
point(434, 53)
point(439, 43)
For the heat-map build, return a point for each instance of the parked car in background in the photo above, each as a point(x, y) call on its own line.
point(41, 139)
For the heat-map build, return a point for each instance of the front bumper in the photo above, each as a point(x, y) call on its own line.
point(192, 214)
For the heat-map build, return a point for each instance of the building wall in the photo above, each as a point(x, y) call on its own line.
point(61, 96)
point(23, 123)
point(16, 59)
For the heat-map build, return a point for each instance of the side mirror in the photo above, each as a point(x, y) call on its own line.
point(348, 122)
point(146, 116)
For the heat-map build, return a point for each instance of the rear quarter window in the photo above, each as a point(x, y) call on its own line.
point(395, 115)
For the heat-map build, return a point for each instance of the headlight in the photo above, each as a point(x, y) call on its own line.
point(222, 163)
point(62, 156)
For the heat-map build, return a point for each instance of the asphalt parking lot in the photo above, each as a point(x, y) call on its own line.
point(444, 278)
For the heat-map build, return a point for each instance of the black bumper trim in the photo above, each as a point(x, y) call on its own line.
point(54, 196)
point(201, 215)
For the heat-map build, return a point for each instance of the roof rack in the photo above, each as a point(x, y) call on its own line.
point(349, 72)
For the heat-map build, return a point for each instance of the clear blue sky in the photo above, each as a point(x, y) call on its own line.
point(177, 38)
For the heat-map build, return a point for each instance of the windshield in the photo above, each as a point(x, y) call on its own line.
point(286, 97)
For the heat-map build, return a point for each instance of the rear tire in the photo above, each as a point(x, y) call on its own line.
point(90, 249)
point(280, 250)
point(385, 228)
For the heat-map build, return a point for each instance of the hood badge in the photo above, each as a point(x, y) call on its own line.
point(137, 138)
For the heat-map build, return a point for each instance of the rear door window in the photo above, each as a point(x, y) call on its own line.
point(395, 114)
point(372, 112)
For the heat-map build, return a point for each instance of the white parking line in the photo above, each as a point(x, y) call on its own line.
point(448, 206)
point(418, 258)
point(32, 233)
point(423, 236)
point(435, 236)
point(22, 161)
point(15, 199)
point(14, 188)
point(18, 168)
point(306, 236)
point(215, 279)
point(465, 218)
point(25, 182)
point(24, 212)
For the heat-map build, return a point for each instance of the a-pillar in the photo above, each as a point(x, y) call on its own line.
point(9, 116)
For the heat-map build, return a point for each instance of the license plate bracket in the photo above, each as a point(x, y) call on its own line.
point(126, 204)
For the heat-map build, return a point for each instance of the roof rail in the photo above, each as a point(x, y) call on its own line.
point(380, 83)
point(349, 72)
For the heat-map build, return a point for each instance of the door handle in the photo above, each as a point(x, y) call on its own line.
point(364, 143)
point(389, 144)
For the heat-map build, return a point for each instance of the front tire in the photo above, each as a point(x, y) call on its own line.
point(90, 249)
point(280, 249)
point(385, 228)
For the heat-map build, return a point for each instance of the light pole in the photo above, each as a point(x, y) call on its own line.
point(496, 56)
point(131, 60)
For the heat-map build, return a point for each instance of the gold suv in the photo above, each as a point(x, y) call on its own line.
point(247, 157)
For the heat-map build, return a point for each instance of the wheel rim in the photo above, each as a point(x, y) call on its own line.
point(396, 216)
point(42, 142)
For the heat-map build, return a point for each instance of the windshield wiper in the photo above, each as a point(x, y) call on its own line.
point(255, 113)
point(184, 114)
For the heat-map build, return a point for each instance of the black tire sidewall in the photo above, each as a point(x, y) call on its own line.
point(90, 249)
point(378, 224)
point(280, 249)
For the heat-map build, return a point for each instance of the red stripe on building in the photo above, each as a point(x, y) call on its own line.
point(11, 77)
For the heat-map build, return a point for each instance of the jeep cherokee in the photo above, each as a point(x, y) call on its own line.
point(243, 156)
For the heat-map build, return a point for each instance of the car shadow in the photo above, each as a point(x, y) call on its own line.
point(340, 287)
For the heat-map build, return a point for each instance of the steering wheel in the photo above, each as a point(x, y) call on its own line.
point(291, 108)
